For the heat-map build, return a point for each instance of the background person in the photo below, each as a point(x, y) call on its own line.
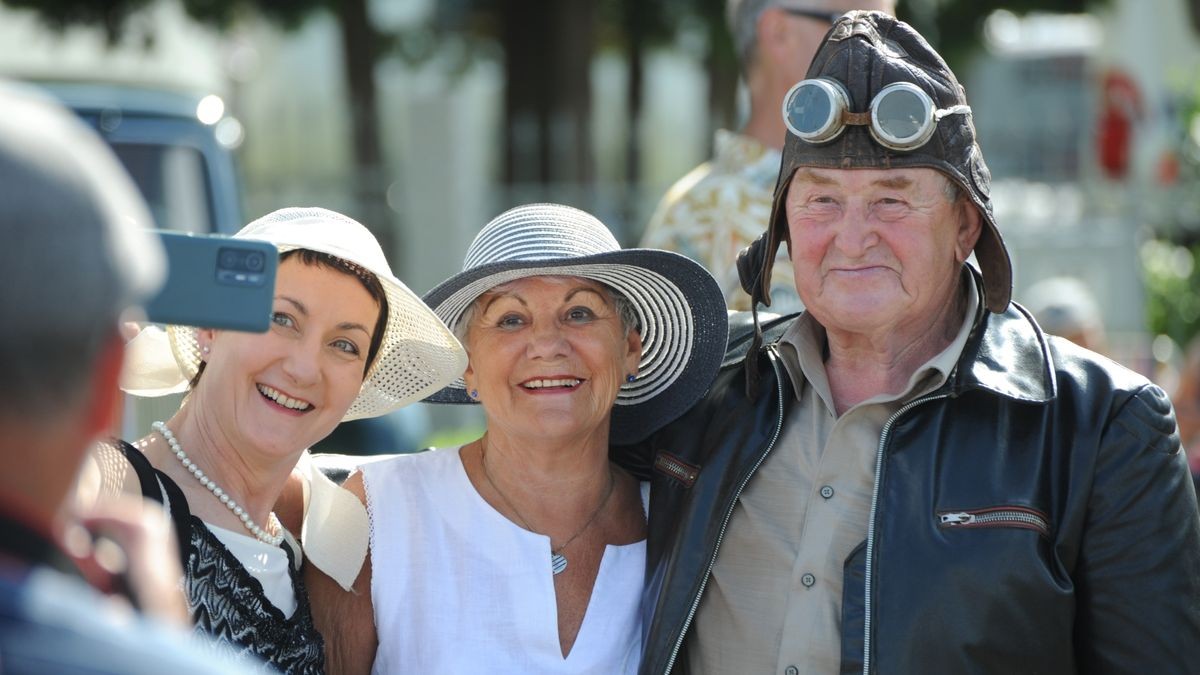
point(347, 340)
point(719, 207)
point(75, 256)
point(914, 478)
point(1064, 306)
point(524, 551)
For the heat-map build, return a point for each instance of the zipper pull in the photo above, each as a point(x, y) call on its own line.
point(958, 518)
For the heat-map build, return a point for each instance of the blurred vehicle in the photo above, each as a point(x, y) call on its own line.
point(177, 147)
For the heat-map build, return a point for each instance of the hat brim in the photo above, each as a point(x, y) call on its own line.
point(681, 316)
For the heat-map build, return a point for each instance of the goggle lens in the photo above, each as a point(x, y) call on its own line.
point(901, 115)
point(813, 110)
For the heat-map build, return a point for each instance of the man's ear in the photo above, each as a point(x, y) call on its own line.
point(969, 228)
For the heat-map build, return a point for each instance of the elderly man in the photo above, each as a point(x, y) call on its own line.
point(74, 256)
point(913, 478)
point(719, 207)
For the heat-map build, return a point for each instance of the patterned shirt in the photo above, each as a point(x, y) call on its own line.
point(717, 209)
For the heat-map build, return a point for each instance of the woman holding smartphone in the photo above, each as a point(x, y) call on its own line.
point(347, 340)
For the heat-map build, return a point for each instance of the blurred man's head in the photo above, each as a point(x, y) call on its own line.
point(1064, 306)
point(75, 255)
point(783, 34)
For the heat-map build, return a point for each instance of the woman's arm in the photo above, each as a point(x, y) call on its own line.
point(346, 619)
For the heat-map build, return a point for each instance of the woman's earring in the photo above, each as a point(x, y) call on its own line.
point(205, 350)
point(475, 394)
point(630, 377)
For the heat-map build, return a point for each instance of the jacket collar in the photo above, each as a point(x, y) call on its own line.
point(1006, 354)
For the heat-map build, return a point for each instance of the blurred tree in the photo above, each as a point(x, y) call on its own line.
point(955, 27)
point(361, 50)
point(59, 14)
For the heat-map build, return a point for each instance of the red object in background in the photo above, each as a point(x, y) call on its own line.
point(1120, 109)
point(1168, 169)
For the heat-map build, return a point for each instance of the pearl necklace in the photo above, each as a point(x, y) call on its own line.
point(258, 532)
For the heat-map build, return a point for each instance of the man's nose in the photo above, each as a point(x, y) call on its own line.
point(857, 232)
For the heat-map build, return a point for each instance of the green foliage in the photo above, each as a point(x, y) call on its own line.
point(1172, 273)
point(955, 27)
point(61, 14)
point(112, 14)
point(222, 13)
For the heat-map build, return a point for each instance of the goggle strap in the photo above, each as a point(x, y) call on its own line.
point(856, 119)
point(952, 110)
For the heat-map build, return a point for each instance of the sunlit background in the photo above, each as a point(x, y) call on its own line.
point(425, 118)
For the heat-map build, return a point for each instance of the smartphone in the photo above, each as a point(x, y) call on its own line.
point(215, 281)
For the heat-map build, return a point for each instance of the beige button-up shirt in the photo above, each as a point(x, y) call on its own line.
point(774, 602)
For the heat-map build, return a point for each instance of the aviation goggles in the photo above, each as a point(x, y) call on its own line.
point(902, 116)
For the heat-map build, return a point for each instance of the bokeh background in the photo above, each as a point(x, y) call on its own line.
point(425, 118)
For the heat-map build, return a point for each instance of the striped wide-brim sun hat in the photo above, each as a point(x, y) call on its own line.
point(681, 313)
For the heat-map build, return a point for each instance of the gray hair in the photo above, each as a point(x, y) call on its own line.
point(75, 252)
point(621, 304)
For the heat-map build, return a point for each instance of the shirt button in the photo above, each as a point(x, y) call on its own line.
point(791, 670)
point(826, 491)
point(808, 580)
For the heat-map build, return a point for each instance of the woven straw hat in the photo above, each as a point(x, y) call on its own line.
point(680, 310)
point(417, 356)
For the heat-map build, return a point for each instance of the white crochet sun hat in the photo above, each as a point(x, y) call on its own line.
point(417, 356)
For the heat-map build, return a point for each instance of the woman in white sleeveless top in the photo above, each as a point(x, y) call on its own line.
point(524, 551)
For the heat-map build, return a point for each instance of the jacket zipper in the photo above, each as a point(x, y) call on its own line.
point(729, 514)
point(999, 516)
point(887, 428)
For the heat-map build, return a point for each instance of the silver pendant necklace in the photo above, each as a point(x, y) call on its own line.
point(259, 533)
point(558, 561)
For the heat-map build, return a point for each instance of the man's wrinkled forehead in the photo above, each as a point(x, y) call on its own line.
point(895, 179)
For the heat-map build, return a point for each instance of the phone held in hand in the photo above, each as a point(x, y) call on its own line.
point(215, 281)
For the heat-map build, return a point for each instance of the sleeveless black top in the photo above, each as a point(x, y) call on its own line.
point(226, 602)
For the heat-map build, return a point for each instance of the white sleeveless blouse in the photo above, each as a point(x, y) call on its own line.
point(458, 588)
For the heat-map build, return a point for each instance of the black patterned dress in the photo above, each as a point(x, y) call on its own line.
point(226, 602)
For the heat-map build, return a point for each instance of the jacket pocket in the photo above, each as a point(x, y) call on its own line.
point(1021, 517)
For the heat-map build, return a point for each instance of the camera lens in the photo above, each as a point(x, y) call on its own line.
point(228, 259)
point(254, 261)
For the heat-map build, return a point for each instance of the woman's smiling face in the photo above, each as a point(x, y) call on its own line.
point(548, 356)
point(284, 390)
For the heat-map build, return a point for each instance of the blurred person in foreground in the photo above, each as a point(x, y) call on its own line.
point(347, 340)
point(913, 477)
point(524, 551)
point(75, 257)
point(718, 208)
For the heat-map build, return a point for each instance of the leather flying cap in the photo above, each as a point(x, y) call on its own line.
point(867, 51)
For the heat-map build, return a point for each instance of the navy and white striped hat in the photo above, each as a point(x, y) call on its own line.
point(680, 309)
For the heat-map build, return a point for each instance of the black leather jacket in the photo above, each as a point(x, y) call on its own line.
point(1033, 515)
